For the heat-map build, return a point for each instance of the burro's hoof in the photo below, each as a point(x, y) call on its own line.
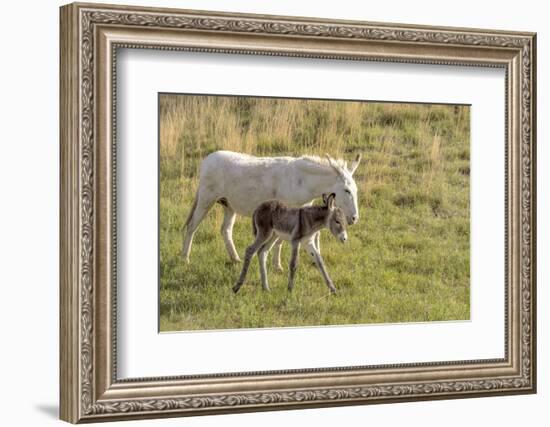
point(279, 269)
point(333, 291)
point(236, 288)
point(236, 260)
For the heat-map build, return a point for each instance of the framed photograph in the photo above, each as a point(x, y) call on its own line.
point(265, 213)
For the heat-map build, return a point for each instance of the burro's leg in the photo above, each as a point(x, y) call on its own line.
point(312, 249)
point(293, 263)
point(200, 208)
point(262, 237)
point(318, 241)
point(262, 257)
point(229, 216)
point(277, 255)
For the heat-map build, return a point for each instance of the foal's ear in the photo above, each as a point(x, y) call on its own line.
point(330, 201)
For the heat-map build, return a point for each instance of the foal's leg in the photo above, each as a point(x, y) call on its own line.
point(312, 249)
point(293, 263)
point(277, 255)
point(203, 205)
point(262, 258)
point(229, 216)
point(261, 238)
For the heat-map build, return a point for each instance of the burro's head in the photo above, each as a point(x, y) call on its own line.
point(344, 187)
point(336, 220)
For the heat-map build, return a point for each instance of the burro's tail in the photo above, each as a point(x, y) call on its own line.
point(192, 211)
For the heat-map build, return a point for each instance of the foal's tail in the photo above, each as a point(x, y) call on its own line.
point(254, 228)
point(193, 208)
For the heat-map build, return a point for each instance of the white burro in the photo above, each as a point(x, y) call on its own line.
point(241, 182)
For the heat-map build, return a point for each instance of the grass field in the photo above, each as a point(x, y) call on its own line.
point(408, 258)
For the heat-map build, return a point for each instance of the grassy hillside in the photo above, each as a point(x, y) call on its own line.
point(406, 260)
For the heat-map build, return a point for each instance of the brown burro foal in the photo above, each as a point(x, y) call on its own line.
point(273, 219)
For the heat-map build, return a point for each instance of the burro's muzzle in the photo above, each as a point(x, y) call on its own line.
point(352, 219)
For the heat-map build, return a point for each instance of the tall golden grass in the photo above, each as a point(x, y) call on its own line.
point(191, 127)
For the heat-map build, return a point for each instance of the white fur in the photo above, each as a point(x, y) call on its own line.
point(244, 181)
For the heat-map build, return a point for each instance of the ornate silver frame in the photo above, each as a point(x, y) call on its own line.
point(90, 36)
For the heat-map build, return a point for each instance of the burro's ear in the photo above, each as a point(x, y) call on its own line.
point(325, 199)
point(330, 201)
point(355, 164)
point(334, 165)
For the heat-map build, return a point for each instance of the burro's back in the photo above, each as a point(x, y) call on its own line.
point(245, 181)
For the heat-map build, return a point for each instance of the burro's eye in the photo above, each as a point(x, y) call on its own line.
point(347, 191)
point(337, 222)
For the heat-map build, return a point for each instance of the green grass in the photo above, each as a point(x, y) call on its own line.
point(407, 260)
